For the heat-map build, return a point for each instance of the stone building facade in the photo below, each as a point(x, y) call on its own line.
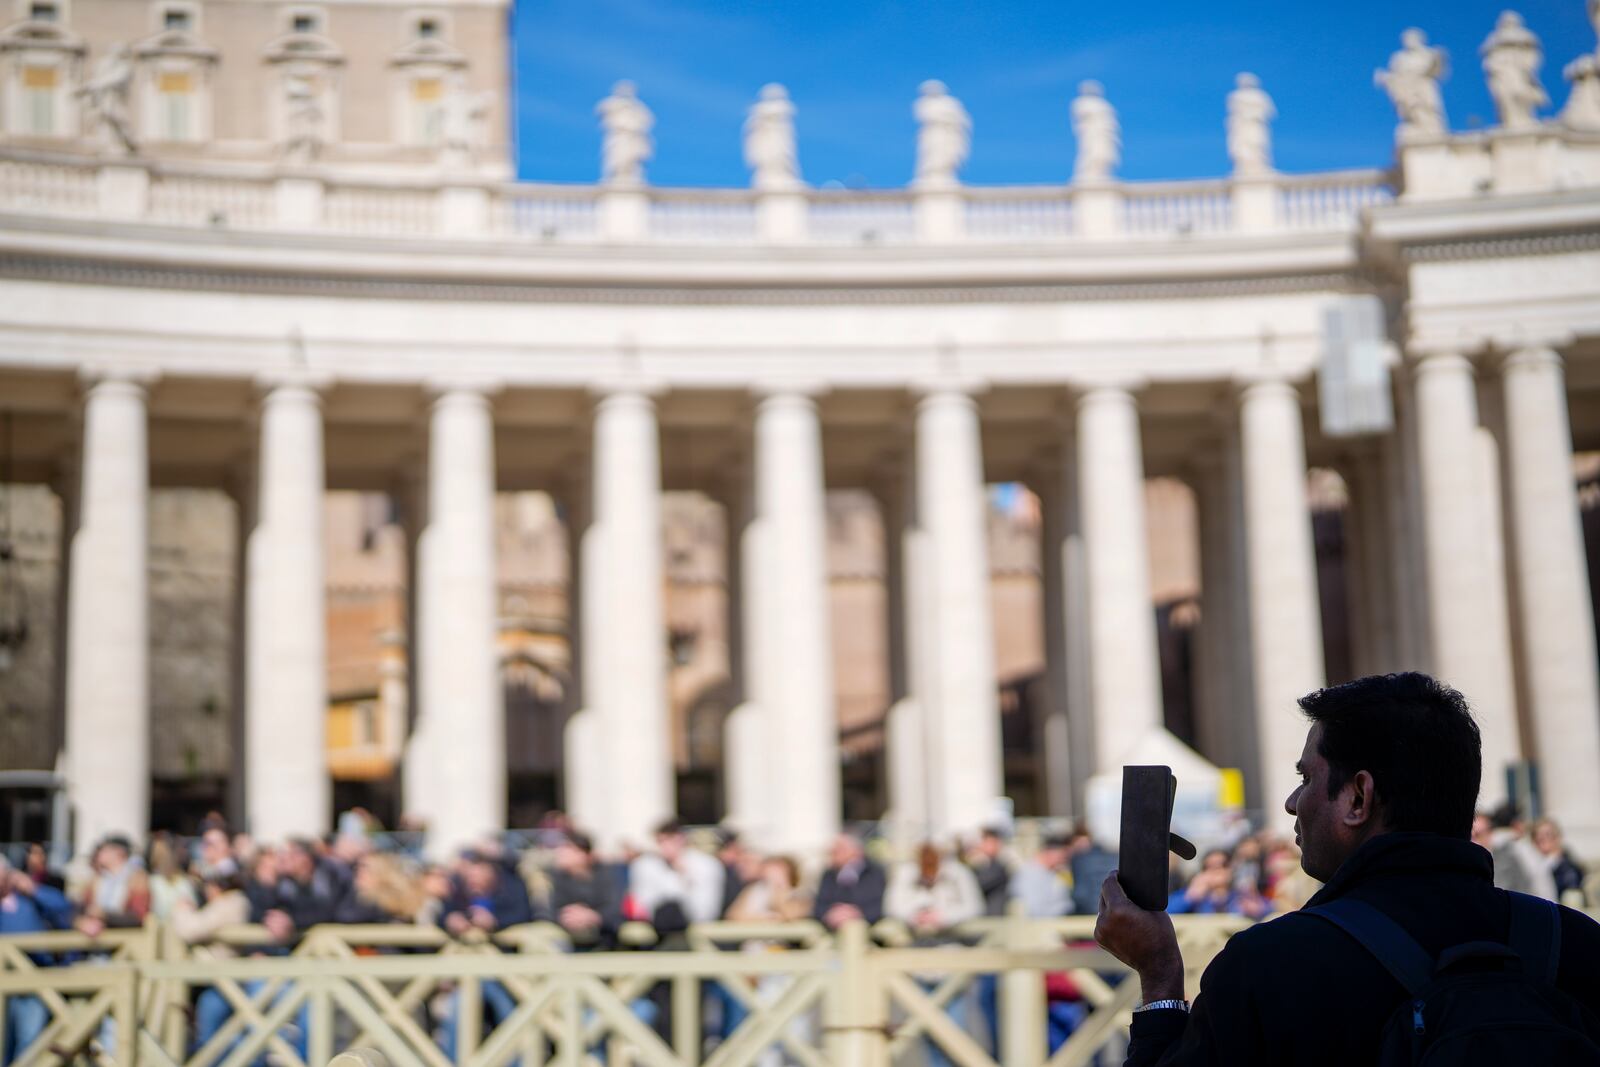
point(343, 298)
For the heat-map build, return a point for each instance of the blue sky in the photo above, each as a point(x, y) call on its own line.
point(853, 70)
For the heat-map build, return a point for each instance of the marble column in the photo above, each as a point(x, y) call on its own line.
point(746, 754)
point(1285, 625)
point(583, 741)
point(1558, 638)
point(108, 643)
point(1064, 735)
point(1468, 646)
point(1124, 664)
point(287, 791)
point(463, 702)
point(1218, 728)
point(626, 483)
point(963, 712)
point(798, 703)
point(906, 574)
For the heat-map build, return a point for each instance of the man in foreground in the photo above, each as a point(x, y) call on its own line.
point(1383, 815)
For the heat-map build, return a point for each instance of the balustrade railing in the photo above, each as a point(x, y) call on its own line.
point(1177, 209)
point(1331, 201)
point(1022, 214)
point(240, 197)
point(858, 998)
point(853, 217)
point(208, 200)
point(47, 188)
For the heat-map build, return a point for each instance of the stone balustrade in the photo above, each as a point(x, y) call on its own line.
point(265, 199)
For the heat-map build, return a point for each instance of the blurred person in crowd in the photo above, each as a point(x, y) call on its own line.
point(437, 888)
point(1214, 890)
point(118, 892)
point(1249, 872)
point(933, 895)
point(852, 887)
point(215, 850)
point(245, 850)
point(1040, 884)
point(676, 885)
point(224, 904)
point(1389, 773)
point(169, 885)
point(1288, 884)
point(774, 896)
point(487, 895)
point(1567, 873)
point(1091, 862)
point(1517, 866)
point(741, 865)
point(991, 868)
point(585, 900)
point(36, 865)
point(261, 882)
point(27, 907)
point(212, 820)
point(308, 892)
point(382, 890)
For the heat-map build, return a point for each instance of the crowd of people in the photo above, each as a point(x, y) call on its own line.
point(218, 879)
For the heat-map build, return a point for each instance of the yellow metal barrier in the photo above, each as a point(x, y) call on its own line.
point(861, 998)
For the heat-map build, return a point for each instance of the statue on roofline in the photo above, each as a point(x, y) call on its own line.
point(1412, 82)
point(627, 145)
point(944, 135)
point(769, 142)
point(1511, 61)
point(1099, 136)
point(1250, 110)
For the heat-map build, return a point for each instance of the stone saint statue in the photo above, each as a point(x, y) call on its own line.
point(106, 96)
point(1412, 82)
point(1094, 124)
point(1583, 103)
point(944, 136)
point(1250, 111)
point(1511, 60)
point(306, 125)
point(465, 115)
point(627, 146)
point(769, 146)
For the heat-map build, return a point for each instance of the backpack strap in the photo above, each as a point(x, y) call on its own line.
point(1536, 935)
point(1381, 936)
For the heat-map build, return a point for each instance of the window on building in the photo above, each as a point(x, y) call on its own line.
point(39, 92)
point(175, 18)
point(43, 11)
point(305, 22)
point(175, 91)
point(427, 28)
point(427, 109)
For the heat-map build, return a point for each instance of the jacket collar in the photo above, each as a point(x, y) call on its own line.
point(1403, 854)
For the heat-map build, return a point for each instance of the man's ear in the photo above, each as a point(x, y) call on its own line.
point(1360, 804)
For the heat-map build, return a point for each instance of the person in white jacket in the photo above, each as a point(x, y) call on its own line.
point(933, 895)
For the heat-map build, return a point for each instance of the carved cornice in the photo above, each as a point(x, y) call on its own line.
point(1511, 246)
point(309, 283)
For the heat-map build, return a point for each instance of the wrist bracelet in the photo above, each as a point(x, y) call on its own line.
point(1158, 1005)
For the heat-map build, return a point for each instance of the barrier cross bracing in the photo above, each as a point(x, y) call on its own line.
point(859, 998)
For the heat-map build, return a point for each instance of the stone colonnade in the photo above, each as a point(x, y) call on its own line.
point(1260, 649)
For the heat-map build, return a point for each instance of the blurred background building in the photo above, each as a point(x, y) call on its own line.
point(339, 470)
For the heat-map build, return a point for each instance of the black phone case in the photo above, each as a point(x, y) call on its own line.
point(1147, 796)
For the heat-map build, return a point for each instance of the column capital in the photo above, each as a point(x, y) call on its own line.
point(807, 390)
point(1121, 393)
point(95, 379)
point(444, 387)
point(1115, 381)
point(1254, 385)
point(292, 381)
point(1532, 356)
point(1435, 361)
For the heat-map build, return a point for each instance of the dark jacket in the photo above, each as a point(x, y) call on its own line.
point(865, 891)
point(508, 902)
point(310, 903)
point(1298, 990)
point(600, 892)
point(994, 879)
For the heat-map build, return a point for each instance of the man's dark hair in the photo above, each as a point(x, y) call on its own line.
point(669, 828)
point(580, 841)
point(1415, 736)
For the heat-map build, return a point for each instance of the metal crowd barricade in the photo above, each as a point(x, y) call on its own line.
point(858, 998)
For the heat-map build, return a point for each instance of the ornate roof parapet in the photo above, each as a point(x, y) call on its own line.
point(1526, 153)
